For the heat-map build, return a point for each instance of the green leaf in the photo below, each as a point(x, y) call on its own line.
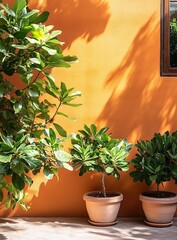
point(78, 148)
point(72, 104)
point(46, 132)
point(8, 140)
point(87, 129)
point(42, 17)
point(38, 133)
point(1, 91)
point(23, 206)
point(23, 32)
point(50, 77)
point(49, 50)
point(52, 135)
point(124, 169)
point(30, 14)
point(116, 174)
point(33, 164)
point(67, 166)
point(1, 195)
point(43, 116)
point(63, 87)
point(17, 107)
point(50, 92)
point(6, 114)
point(18, 182)
point(56, 41)
point(29, 151)
point(5, 148)
point(33, 91)
point(20, 136)
point(65, 115)
point(8, 203)
point(78, 93)
point(48, 172)
point(18, 165)
point(94, 129)
point(69, 58)
point(109, 170)
point(19, 5)
point(5, 158)
point(48, 104)
point(19, 46)
point(56, 61)
point(62, 156)
point(7, 10)
point(35, 61)
point(28, 180)
point(60, 130)
point(103, 130)
point(54, 34)
point(33, 40)
point(10, 71)
point(3, 21)
point(19, 92)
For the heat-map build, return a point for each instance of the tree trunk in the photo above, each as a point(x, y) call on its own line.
point(103, 184)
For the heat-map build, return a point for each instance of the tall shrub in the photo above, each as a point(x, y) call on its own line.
point(30, 139)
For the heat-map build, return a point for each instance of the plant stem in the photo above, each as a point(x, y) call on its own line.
point(103, 184)
point(52, 118)
point(34, 80)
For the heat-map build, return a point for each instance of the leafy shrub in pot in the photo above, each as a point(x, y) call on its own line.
point(95, 150)
point(156, 161)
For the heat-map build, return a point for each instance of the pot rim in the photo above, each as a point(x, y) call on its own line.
point(172, 199)
point(117, 198)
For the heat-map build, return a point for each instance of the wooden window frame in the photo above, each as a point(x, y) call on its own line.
point(166, 70)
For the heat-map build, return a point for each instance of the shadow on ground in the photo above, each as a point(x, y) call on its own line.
point(79, 228)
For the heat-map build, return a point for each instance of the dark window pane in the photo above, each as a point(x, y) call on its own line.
point(173, 34)
point(168, 38)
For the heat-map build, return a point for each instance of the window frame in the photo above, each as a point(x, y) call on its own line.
point(165, 68)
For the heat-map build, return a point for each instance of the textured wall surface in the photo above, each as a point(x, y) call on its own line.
point(118, 46)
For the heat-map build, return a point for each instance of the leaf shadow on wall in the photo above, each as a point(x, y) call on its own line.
point(141, 102)
point(76, 18)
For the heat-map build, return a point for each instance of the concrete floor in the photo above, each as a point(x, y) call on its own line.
point(79, 228)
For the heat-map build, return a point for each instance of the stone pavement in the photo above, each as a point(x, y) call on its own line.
point(63, 228)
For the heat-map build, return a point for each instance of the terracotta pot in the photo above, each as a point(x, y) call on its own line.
point(159, 210)
point(103, 210)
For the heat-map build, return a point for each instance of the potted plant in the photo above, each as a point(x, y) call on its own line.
point(95, 150)
point(30, 139)
point(156, 161)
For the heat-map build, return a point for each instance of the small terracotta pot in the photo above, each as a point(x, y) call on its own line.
point(159, 210)
point(103, 209)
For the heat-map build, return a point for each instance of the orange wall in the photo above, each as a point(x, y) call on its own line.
point(118, 46)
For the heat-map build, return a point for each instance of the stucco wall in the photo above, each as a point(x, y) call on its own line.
point(118, 46)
